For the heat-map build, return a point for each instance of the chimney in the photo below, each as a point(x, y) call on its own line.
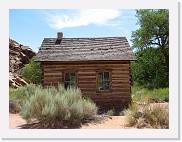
point(59, 36)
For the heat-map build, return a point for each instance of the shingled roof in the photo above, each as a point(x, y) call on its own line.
point(85, 49)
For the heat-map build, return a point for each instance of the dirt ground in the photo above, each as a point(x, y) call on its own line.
point(111, 122)
point(15, 121)
point(114, 122)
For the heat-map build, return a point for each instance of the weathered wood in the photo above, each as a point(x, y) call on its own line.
point(87, 65)
point(87, 85)
point(86, 77)
point(51, 79)
point(52, 73)
point(85, 62)
point(86, 73)
point(120, 76)
point(119, 94)
point(120, 72)
point(120, 86)
point(86, 81)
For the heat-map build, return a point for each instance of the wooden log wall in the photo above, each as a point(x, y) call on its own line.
point(119, 95)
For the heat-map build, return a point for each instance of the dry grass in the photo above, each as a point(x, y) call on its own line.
point(148, 116)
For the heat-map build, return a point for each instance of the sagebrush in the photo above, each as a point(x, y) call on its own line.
point(147, 116)
point(17, 95)
point(58, 107)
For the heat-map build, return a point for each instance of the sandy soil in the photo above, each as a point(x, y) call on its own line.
point(114, 122)
point(15, 121)
point(111, 122)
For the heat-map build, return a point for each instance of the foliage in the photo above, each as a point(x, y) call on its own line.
point(15, 99)
point(157, 117)
point(57, 108)
point(14, 106)
point(26, 90)
point(150, 70)
point(154, 26)
point(111, 112)
point(89, 108)
point(132, 114)
point(121, 113)
point(154, 30)
point(16, 96)
point(140, 94)
point(147, 116)
point(32, 72)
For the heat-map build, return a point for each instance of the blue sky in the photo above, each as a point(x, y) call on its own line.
point(29, 27)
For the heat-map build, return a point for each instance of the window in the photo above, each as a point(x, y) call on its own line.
point(69, 80)
point(103, 82)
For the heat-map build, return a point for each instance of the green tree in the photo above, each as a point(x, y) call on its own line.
point(153, 31)
point(150, 70)
point(32, 72)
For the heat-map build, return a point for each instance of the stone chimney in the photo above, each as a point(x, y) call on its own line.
point(59, 36)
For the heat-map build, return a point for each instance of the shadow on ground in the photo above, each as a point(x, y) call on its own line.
point(116, 112)
point(40, 125)
point(45, 125)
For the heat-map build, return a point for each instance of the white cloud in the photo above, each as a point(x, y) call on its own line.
point(83, 18)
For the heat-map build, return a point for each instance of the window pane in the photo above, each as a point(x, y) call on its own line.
point(106, 76)
point(70, 80)
point(104, 81)
point(73, 78)
point(100, 73)
point(67, 77)
point(107, 85)
point(72, 74)
point(100, 81)
point(101, 87)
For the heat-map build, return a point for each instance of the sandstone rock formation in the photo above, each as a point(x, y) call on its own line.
point(19, 56)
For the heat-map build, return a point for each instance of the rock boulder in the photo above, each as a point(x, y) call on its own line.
point(19, 56)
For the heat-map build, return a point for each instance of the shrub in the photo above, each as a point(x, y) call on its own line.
point(14, 106)
point(89, 108)
point(150, 69)
point(15, 100)
point(157, 117)
point(55, 108)
point(161, 94)
point(140, 94)
point(110, 112)
point(147, 116)
point(132, 114)
point(16, 96)
point(121, 113)
point(32, 72)
point(26, 90)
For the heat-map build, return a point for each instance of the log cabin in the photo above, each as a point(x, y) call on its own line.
point(100, 67)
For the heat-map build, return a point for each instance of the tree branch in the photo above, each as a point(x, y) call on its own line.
point(155, 43)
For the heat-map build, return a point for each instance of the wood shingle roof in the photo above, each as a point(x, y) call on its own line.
point(85, 49)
